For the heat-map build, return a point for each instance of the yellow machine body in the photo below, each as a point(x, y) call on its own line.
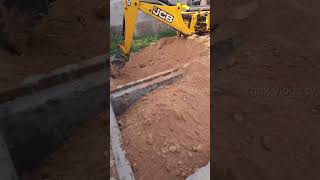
point(175, 16)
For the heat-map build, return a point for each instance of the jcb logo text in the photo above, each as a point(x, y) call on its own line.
point(162, 14)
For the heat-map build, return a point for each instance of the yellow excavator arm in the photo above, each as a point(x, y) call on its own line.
point(180, 17)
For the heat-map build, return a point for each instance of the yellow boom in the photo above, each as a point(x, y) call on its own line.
point(182, 18)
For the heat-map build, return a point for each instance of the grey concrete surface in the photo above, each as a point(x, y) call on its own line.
point(202, 174)
point(122, 164)
point(113, 171)
point(7, 169)
point(35, 125)
point(121, 100)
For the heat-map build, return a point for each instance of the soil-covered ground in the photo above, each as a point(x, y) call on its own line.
point(82, 156)
point(166, 134)
point(265, 96)
point(72, 32)
point(169, 52)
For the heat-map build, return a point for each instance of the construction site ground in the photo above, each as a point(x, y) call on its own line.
point(166, 54)
point(266, 134)
point(81, 157)
point(166, 133)
point(72, 32)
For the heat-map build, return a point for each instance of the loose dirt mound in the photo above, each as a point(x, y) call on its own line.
point(166, 134)
point(80, 158)
point(167, 53)
point(71, 32)
point(256, 135)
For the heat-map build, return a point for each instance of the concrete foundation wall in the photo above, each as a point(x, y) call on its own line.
point(7, 170)
point(34, 125)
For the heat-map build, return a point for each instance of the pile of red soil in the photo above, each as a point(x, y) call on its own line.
point(80, 158)
point(166, 134)
point(71, 33)
point(170, 52)
point(263, 135)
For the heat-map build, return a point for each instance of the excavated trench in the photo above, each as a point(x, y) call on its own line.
point(160, 118)
point(39, 118)
point(121, 99)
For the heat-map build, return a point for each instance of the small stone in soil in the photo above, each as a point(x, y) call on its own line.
point(198, 148)
point(164, 150)
point(177, 172)
point(150, 139)
point(150, 136)
point(147, 122)
point(168, 167)
point(180, 162)
point(178, 148)
point(135, 167)
point(184, 174)
point(172, 148)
